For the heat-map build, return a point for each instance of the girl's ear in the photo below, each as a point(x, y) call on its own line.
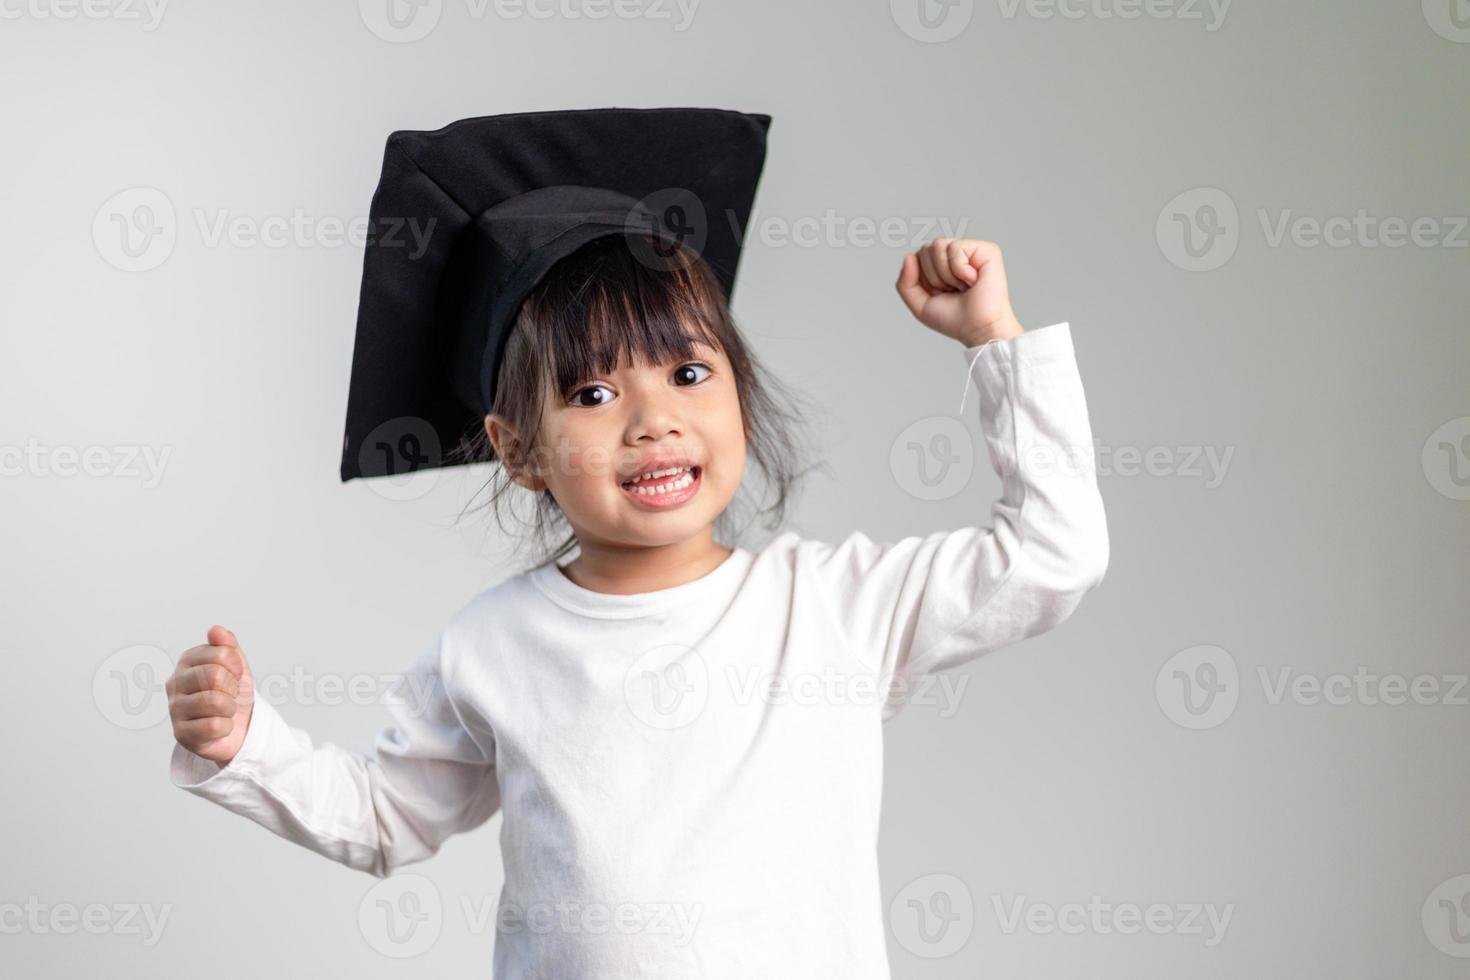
point(509, 450)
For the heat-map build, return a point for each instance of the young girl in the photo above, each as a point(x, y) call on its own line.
point(684, 736)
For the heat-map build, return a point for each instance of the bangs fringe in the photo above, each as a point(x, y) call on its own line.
point(611, 309)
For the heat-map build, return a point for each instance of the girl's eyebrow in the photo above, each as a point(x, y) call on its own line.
point(696, 346)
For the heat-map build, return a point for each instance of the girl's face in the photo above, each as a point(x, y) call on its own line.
point(614, 429)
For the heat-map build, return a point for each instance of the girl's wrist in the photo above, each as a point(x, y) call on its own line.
point(1002, 329)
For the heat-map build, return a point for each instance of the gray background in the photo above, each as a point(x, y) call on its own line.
point(1335, 540)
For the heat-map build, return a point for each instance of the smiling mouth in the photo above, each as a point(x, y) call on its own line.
point(665, 489)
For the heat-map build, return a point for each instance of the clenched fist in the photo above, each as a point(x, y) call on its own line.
point(210, 697)
point(957, 287)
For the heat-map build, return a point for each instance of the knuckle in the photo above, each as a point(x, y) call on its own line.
point(217, 703)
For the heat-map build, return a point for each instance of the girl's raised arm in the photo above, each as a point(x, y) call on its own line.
point(926, 603)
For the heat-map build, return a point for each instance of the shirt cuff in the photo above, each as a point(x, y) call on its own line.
point(990, 363)
point(190, 771)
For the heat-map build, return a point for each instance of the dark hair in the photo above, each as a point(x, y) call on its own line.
point(608, 303)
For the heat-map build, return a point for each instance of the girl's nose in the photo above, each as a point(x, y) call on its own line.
point(653, 415)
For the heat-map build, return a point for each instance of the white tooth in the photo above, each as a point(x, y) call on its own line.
point(678, 484)
point(658, 474)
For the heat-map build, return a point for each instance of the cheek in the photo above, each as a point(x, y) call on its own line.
point(579, 458)
point(730, 428)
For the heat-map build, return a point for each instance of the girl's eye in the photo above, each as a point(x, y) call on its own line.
point(684, 375)
point(579, 399)
point(684, 371)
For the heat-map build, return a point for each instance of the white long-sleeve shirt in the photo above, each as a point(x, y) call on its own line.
point(690, 778)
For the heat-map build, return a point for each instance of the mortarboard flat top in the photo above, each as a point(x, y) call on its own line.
point(467, 219)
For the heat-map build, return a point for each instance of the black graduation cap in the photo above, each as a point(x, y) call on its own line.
point(468, 218)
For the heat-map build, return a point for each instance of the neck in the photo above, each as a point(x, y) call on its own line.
point(626, 569)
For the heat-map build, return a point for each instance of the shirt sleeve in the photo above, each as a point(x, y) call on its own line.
point(429, 776)
point(931, 602)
